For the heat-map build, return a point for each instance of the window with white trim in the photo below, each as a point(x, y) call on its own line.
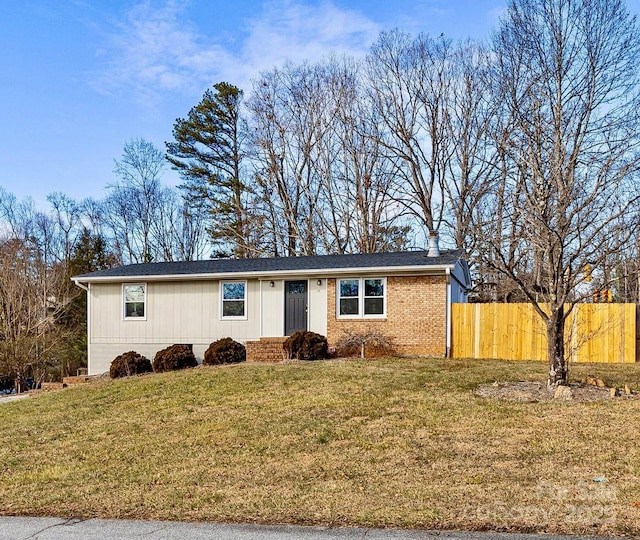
point(361, 297)
point(233, 296)
point(134, 297)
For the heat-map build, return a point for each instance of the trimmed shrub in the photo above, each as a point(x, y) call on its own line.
point(225, 351)
point(173, 358)
point(306, 346)
point(129, 363)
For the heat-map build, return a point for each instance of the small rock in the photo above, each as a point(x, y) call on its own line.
point(495, 384)
point(563, 393)
point(627, 390)
point(591, 380)
point(600, 383)
point(613, 392)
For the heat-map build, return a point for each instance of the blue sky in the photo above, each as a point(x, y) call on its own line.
point(78, 78)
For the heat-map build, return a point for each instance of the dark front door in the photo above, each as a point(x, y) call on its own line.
point(295, 306)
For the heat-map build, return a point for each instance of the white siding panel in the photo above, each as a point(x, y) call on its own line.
point(177, 312)
point(318, 306)
point(106, 312)
point(273, 308)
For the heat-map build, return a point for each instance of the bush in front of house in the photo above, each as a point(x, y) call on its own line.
point(365, 344)
point(129, 363)
point(173, 358)
point(225, 351)
point(306, 346)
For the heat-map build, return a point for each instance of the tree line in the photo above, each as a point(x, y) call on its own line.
point(520, 151)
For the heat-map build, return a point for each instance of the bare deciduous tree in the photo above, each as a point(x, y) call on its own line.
point(292, 114)
point(143, 219)
point(361, 213)
point(410, 82)
point(134, 198)
point(566, 76)
point(34, 290)
point(471, 167)
point(327, 185)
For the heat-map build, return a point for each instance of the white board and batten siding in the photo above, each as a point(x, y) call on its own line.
point(272, 308)
point(318, 306)
point(189, 312)
point(176, 312)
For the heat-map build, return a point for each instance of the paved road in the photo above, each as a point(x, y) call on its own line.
point(12, 397)
point(23, 528)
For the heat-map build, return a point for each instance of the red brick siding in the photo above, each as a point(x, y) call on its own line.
point(416, 315)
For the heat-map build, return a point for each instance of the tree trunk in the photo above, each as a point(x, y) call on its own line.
point(558, 372)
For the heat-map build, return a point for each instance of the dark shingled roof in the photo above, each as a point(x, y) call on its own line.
point(279, 264)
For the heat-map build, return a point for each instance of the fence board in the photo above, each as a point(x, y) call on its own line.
point(593, 332)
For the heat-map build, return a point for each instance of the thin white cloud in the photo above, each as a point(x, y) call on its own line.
point(155, 50)
point(298, 31)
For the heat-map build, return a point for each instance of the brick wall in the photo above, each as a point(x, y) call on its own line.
point(416, 315)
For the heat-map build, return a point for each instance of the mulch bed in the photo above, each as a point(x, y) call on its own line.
point(531, 392)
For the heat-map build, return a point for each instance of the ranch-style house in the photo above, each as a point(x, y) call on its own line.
point(147, 307)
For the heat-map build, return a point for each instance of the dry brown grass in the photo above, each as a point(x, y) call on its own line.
point(392, 443)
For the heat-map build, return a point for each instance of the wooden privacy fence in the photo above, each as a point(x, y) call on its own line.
point(593, 332)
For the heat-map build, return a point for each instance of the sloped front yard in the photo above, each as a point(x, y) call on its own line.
point(397, 443)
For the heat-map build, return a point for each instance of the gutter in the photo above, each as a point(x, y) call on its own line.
point(261, 274)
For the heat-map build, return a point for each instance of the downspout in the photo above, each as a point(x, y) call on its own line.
point(89, 329)
point(81, 285)
point(87, 288)
point(448, 312)
point(260, 328)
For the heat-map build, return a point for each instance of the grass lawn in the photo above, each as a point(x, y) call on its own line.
point(391, 443)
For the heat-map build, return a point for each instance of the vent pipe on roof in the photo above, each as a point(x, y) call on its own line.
point(434, 248)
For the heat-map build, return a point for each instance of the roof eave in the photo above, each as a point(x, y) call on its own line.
point(261, 274)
